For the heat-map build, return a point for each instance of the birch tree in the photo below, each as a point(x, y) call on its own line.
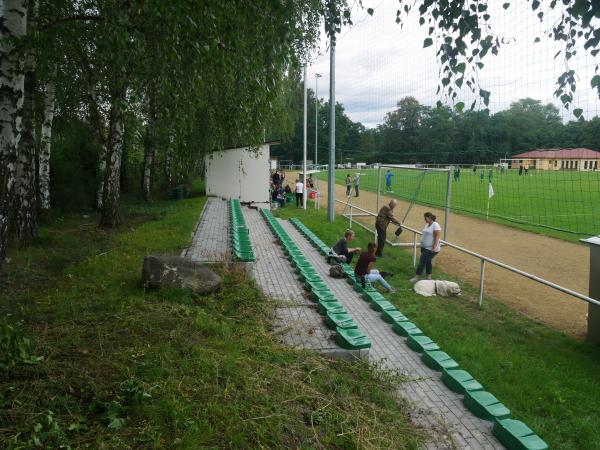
point(13, 23)
point(45, 149)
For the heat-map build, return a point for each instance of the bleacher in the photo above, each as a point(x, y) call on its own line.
point(348, 335)
point(240, 238)
point(514, 434)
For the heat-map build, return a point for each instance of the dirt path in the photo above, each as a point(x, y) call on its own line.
point(561, 262)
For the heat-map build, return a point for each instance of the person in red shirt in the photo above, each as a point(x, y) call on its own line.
point(364, 268)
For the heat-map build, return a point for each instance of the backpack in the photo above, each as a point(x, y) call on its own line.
point(336, 271)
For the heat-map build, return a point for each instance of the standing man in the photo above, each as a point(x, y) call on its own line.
point(299, 191)
point(384, 217)
point(356, 182)
point(348, 185)
point(388, 181)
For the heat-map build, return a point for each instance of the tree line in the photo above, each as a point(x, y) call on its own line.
point(416, 133)
point(98, 96)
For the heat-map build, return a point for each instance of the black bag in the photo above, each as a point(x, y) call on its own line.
point(398, 231)
point(336, 271)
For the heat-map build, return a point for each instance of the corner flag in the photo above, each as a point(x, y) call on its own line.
point(490, 195)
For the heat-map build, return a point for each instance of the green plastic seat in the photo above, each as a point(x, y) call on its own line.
point(420, 343)
point(393, 315)
point(383, 305)
point(515, 435)
point(438, 360)
point(460, 381)
point(316, 285)
point(352, 339)
point(342, 320)
point(403, 328)
point(309, 277)
point(322, 295)
point(373, 296)
point(485, 406)
point(334, 307)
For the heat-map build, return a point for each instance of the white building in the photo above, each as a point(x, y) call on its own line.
point(240, 172)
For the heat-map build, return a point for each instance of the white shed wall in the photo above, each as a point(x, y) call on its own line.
point(239, 173)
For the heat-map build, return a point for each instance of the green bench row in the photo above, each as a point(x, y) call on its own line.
point(240, 238)
point(348, 335)
point(511, 433)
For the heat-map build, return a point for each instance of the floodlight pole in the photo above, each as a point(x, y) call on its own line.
point(304, 193)
point(331, 168)
point(317, 76)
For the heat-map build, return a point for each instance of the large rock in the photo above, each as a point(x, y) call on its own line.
point(178, 272)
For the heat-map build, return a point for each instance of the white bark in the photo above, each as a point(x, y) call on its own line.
point(45, 147)
point(25, 187)
point(110, 215)
point(14, 23)
point(96, 122)
point(150, 149)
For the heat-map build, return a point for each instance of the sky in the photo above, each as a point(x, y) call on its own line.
point(378, 63)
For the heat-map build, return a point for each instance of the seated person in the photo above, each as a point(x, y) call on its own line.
point(281, 197)
point(288, 189)
point(340, 251)
point(364, 268)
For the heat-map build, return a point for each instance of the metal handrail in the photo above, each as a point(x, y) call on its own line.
point(485, 259)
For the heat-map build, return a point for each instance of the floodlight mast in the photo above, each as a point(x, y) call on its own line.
point(331, 168)
point(304, 193)
point(317, 76)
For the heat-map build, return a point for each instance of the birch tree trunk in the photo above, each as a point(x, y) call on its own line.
point(45, 148)
point(110, 215)
point(25, 204)
point(150, 149)
point(14, 24)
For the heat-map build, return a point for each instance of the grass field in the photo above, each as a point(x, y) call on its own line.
point(563, 204)
point(124, 367)
point(547, 379)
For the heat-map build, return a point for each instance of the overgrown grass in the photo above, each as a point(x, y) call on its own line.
point(546, 378)
point(124, 367)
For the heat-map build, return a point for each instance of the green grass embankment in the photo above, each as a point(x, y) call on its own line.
point(127, 368)
point(547, 379)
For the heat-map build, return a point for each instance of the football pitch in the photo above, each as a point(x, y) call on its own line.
point(564, 204)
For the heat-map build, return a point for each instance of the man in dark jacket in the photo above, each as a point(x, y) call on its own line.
point(384, 217)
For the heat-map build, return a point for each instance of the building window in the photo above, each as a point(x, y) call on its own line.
point(585, 165)
point(576, 164)
point(595, 164)
point(562, 164)
point(555, 163)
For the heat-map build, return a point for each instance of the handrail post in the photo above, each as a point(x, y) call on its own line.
point(448, 200)
point(481, 281)
point(414, 249)
point(350, 217)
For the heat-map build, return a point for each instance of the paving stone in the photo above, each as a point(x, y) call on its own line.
point(211, 242)
point(390, 351)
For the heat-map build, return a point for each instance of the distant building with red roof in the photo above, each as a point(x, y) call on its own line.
point(582, 159)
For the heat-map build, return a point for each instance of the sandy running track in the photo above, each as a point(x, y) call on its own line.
point(561, 262)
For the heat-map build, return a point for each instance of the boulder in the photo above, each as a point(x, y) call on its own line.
point(179, 272)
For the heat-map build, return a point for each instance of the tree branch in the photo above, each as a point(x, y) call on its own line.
point(82, 18)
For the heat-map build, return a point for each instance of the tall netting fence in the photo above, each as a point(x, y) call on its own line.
point(393, 112)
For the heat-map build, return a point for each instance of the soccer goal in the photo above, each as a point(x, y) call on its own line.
point(417, 190)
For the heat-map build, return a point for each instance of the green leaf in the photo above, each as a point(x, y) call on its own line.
point(461, 67)
point(370, 11)
point(537, 39)
point(460, 106)
point(596, 81)
point(427, 42)
point(485, 95)
point(506, 5)
point(535, 4)
point(578, 112)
